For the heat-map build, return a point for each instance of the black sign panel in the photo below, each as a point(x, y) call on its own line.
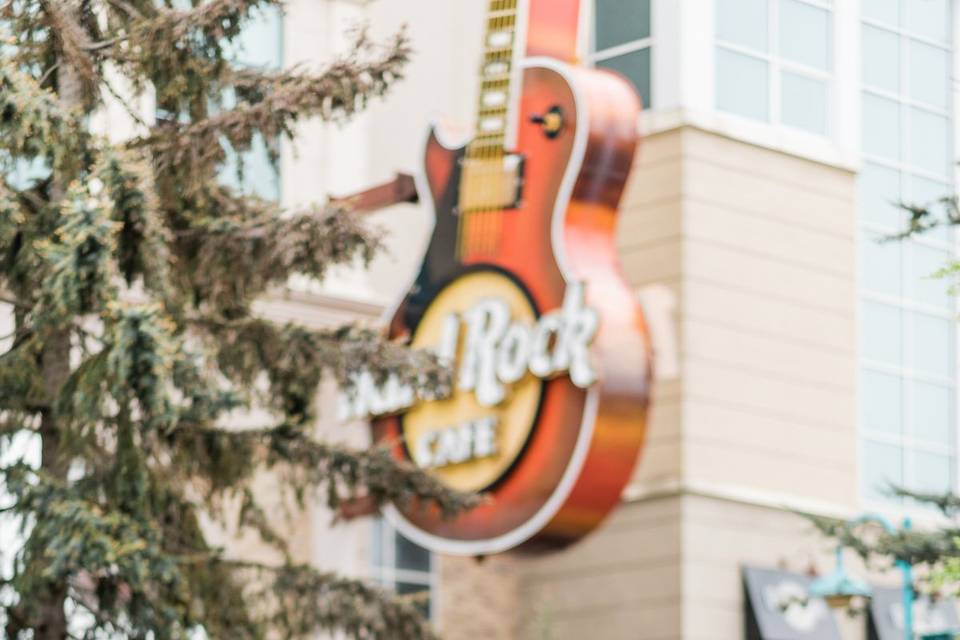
point(929, 617)
point(779, 607)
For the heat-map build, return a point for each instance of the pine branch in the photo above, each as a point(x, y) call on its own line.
point(71, 537)
point(271, 109)
point(32, 122)
point(947, 503)
point(939, 213)
point(878, 547)
point(136, 259)
point(215, 19)
point(180, 53)
point(300, 601)
point(229, 260)
point(73, 43)
point(224, 459)
point(295, 359)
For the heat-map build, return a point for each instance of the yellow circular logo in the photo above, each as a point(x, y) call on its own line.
point(470, 439)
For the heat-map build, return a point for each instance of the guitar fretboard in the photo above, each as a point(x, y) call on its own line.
point(496, 73)
point(484, 182)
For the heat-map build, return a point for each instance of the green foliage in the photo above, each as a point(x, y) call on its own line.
point(934, 549)
point(132, 274)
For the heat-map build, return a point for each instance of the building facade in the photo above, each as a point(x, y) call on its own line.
point(815, 364)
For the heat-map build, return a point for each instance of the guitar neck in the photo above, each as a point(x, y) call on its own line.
point(500, 42)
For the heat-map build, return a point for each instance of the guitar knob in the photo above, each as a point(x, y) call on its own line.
point(551, 122)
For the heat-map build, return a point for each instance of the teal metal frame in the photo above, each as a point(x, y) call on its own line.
point(839, 584)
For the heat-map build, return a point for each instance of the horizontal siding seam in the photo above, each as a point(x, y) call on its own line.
point(777, 177)
point(848, 315)
point(777, 376)
point(765, 215)
point(845, 276)
point(761, 411)
point(778, 337)
point(609, 569)
point(657, 603)
point(793, 422)
point(782, 454)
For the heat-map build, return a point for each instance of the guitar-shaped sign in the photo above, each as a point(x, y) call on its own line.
point(521, 291)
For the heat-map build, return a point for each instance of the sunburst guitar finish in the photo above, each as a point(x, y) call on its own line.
point(522, 264)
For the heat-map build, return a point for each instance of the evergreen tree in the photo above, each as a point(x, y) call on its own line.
point(131, 271)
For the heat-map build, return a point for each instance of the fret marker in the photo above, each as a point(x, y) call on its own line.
point(496, 69)
point(494, 99)
point(500, 39)
point(491, 125)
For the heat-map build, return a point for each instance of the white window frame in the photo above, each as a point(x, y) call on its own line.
point(593, 57)
point(684, 85)
point(904, 441)
point(776, 65)
point(386, 573)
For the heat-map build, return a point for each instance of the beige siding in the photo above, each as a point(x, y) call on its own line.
point(721, 537)
point(622, 582)
point(650, 243)
point(768, 324)
point(759, 249)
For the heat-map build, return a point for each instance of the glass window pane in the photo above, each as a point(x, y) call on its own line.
point(881, 403)
point(929, 74)
point(411, 556)
point(931, 413)
point(743, 22)
point(805, 34)
point(252, 172)
point(881, 266)
point(881, 127)
point(804, 103)
point(929, 141)
point(882, 333)
point(881, 59)
point(922, 286)
point(932, 345)
point(418, 594)
point(886, 11)
point(261, 42)
point(621, 21)
point(742, 85)
point(882, 467)
point(260, 45)
point(879, 194)
point(636, 67)
point(929, 18)
point(931, 472)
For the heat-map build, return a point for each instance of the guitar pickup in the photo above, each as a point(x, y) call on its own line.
point(490, 184)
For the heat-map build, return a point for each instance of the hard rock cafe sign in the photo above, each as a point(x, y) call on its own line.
point(520, 291)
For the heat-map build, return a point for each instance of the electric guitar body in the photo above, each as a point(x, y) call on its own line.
point(520, 289)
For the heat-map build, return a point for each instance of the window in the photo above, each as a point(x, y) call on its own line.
point(908, 344)
point(622, 41)
point(774, 61)
point(402, 567)
point(259, 46)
